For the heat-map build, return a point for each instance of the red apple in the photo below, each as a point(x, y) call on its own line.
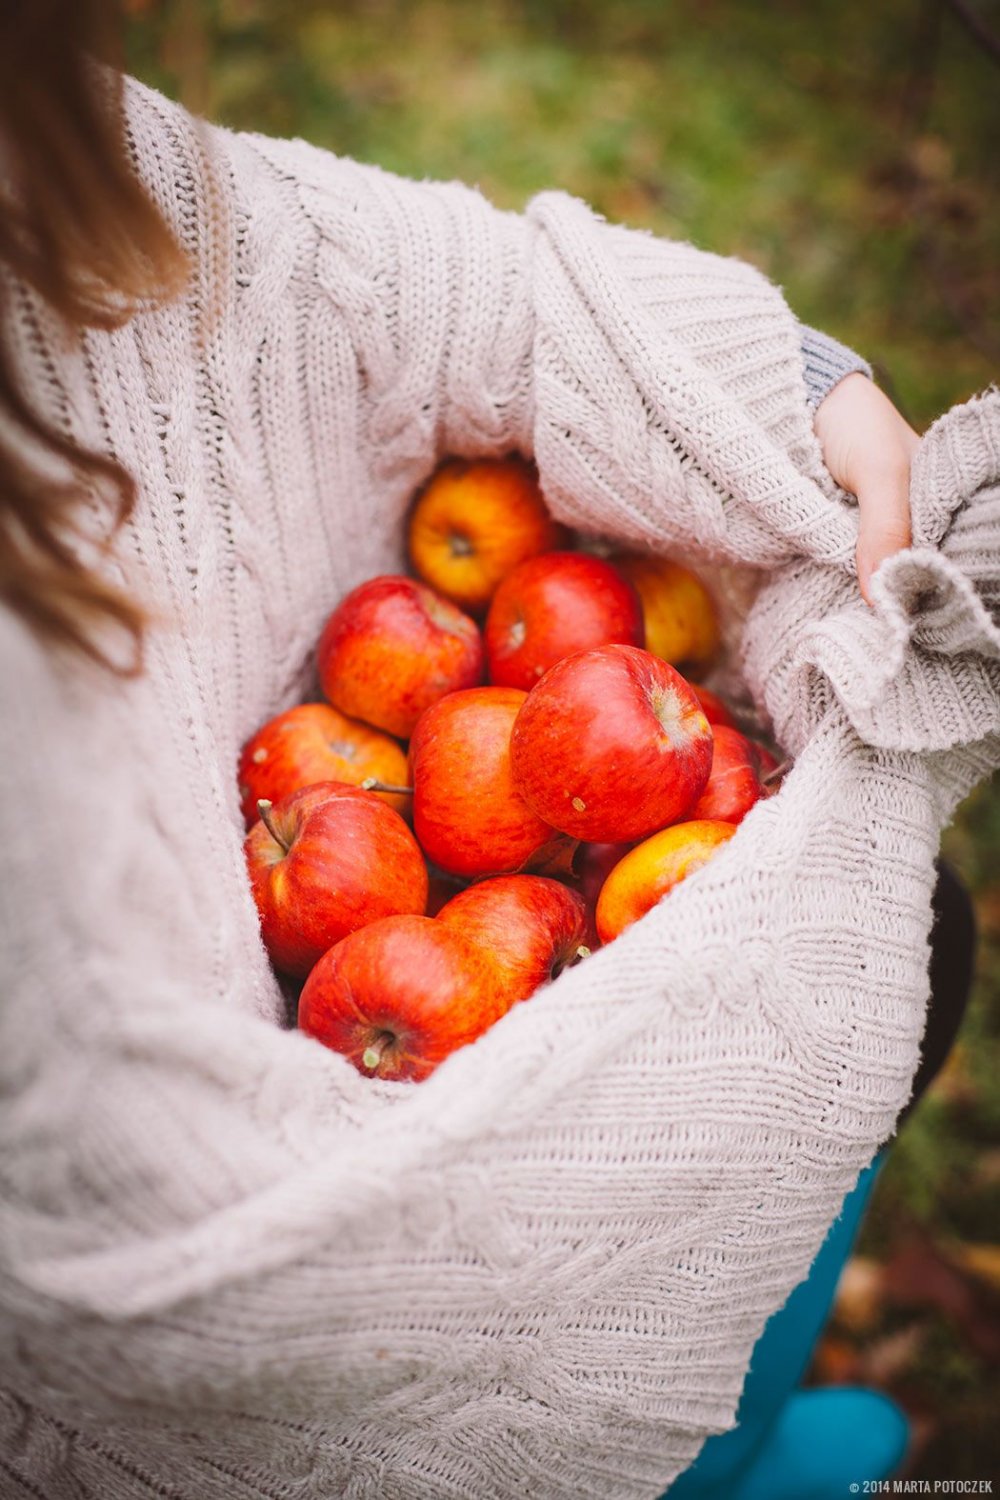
point(531, 928)
point(734, 780)
point(611, 745)
point(652, 869)
point(324, 861)
point(712, 706)
point(400, 995)
point(553, 605)
point(467, 815)
point(393, 647)
point(314, 742)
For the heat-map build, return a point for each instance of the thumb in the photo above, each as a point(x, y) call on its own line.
point(884, 505)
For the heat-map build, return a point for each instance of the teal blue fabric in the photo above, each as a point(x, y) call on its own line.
point(780, 1358)
point(826, 1444)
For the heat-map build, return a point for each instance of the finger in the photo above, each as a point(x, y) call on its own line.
point(884, 506)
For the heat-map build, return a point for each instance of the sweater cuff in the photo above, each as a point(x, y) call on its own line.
point(826, 362)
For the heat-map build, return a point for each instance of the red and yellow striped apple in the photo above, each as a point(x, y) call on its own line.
point(468, 816)
point(324, 861)
point(393, 647)
point(316, 742)
point(611, 745)
point(530, 926)
point(398, 996)
point(734, 784)
point(714, 709)
point(552, 606)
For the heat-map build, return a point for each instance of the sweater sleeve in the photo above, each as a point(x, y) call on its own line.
point(660, 388)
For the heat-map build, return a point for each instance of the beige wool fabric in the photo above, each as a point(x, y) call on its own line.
point(231, 1266)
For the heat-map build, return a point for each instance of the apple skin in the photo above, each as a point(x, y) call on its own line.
point(611, 745)
point(467, 815)
point(552, 606)
point(712, 707)
point(652, 869)
point(680, 617)
point(734, 781)
point(315, 742)
point(530, 926)
point(473, 522)
point(391, 648)
point(592, 864)
point(349, 860)
point(411, 988)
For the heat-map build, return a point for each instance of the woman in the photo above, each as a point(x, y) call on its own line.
point(227, 364)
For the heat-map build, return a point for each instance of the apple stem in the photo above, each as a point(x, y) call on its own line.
point(264, 810)
point(372, 784)
point(372, 1055)
point(583, 952)
point(777, 773)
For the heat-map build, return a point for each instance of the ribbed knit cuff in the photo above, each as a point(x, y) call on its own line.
point(826, 362)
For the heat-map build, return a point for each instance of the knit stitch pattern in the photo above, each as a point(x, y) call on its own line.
point(233, 1267)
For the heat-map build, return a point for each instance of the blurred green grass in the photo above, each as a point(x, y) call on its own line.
point(789, 134)
point(852, 153)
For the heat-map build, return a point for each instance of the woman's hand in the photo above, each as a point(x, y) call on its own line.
point(868, 448)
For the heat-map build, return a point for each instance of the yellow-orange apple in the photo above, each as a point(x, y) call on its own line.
point(324, 861)
point(473, 522)
point(649, 871)
point(611, 745)
point(398, 996)
point(391, 648)
point(467, 815)
point(553, 605)
point(530, 926)
point(316, 742)
point(681, 621)
point(734, 784)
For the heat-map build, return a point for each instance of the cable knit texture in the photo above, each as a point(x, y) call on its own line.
point(233, 1267)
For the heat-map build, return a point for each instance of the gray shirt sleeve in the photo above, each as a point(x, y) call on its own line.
point(825, 362)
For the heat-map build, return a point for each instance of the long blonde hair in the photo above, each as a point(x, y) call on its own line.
point(78, 227)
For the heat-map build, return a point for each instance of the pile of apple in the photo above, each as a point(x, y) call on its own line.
point(421, 895)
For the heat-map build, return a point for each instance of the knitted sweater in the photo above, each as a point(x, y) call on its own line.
point(233, 1267)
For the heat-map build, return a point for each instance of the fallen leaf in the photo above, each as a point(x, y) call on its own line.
point(836, 1361)
point(889, 1357)
point(982, 1260)
point(919, 1275)
point(860, 1293)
